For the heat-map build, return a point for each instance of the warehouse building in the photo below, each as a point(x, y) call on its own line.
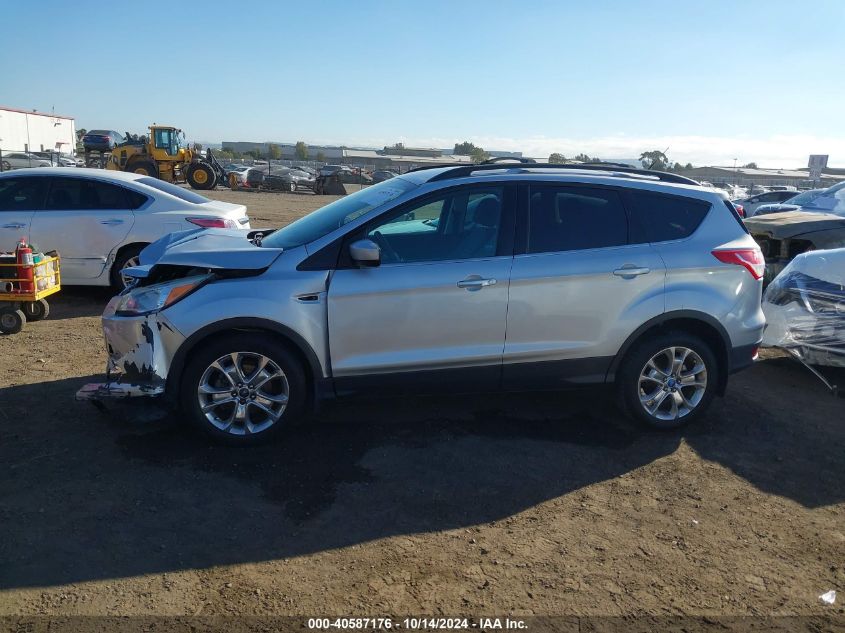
point(391, 157)
point(32, 131)
point(745, 176)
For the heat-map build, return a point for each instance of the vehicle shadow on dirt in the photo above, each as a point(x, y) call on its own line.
point(782, 430)
point(79, 301)
point(95, 496)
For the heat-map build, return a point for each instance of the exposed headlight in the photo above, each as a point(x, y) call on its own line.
point(157, 297)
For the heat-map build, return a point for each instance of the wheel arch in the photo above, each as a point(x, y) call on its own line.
point(120, 250)
point(124, 247)
point(700, 324)
point(297, 345)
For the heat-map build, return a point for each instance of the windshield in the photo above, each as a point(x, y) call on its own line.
point(830, 200)
point(183, 194)
point(805, 197)
point(332, 216)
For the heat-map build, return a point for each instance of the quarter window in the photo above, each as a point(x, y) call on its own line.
point(575, 218)
point(134, 198)
point(664, 218)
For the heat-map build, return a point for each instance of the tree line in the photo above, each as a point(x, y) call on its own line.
point(274, 152)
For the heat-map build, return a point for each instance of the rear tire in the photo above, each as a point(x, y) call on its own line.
point(292, 186)
point(668, 381)
point(7, 166)
point(201, 176)
point(249, 406)
point(143, 167)
point(12, 320)
point(36, 310)
point(126, 258)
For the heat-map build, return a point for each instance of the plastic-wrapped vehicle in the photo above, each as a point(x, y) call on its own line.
point(805, 308)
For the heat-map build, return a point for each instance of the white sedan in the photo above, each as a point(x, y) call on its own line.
point(99, 221)
point(19, 160)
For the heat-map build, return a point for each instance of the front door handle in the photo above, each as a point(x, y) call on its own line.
point(13, 225)
point(112, 221)
point(629, 271)
point(475, 282)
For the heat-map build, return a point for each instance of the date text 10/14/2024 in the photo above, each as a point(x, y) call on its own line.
point(415, 623)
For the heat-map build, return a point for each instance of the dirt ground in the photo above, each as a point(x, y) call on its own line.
point(519, 504)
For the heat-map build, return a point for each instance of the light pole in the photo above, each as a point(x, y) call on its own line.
point(736, 174)
point(26, 118)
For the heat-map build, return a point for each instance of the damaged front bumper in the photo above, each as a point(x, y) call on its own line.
point(140, 350)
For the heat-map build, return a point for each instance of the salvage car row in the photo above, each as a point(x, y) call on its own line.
point(291, 179)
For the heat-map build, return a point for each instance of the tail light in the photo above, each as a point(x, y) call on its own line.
point(213, 223)
point(749, 258)
point(740, 209)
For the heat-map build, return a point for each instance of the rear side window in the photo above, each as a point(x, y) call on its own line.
point(174, 190)
point(22, 194)
point(575, 218)
point(664, 218)
point(80, 194)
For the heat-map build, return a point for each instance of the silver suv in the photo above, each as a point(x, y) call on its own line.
point(483, 277)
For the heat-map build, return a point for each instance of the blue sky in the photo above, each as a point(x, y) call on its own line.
point(710, 80)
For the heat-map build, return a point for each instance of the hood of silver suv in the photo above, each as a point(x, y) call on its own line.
point(209, 248)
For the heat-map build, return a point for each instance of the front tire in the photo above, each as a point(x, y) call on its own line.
point(201, 176)
point(243, 389)
point(668, 381)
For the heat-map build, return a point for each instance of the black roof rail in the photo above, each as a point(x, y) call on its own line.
point(489, 161)
point(466, 170)
point(607, 164)
point(435, 166)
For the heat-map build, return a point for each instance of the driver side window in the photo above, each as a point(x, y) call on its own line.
point(461, 224)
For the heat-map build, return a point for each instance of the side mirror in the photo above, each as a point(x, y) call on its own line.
point(365, 253)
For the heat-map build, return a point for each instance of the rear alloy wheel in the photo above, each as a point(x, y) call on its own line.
point(243, 389)
point(668, 381)
point(127, 258)
point(292, 186)
point(6, 165)
point(201, 176)
point(11, 320)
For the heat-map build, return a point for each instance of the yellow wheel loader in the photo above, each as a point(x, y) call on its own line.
point(163, 155)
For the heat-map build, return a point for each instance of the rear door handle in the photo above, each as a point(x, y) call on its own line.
point(629, 271)
point(112, 221)
point(13, 225)
point(475, 282)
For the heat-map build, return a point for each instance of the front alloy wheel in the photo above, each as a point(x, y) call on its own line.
point(243, 393)
point(244, 387)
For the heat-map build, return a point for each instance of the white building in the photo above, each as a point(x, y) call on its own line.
point(22, 131)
